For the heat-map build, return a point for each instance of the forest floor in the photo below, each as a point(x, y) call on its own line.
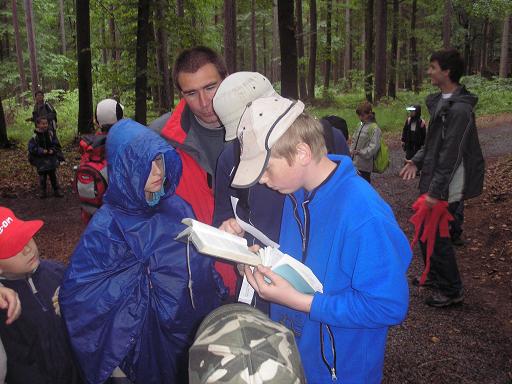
point(469, 343)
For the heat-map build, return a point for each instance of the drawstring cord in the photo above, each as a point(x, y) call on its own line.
point(191, 293)
point(332, 370)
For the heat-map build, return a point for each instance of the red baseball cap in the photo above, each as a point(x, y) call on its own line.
point(15, 233)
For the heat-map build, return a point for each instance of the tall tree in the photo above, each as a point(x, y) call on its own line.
point(83, 47)
point(300, 50)
point(275, 44)
point(19, 50)
point(347, 56)
point(380, 49)
point(62, 27)
point(288, 49)
point(394, 52)
point(447, 24)
point(413, 54)
point(313, 28)
point(4, 142)
point(29, 21)
point(505, 36)
point(141, 61)
point(230, 34)
point(254, 58)
point(484, 45)
point(328, 46)
point(167, 89)
point(368, 50)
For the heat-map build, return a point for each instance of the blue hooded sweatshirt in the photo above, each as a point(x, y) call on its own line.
point(132, 296)
point(349, 237)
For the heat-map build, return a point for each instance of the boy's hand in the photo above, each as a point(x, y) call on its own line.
point(232, 226)
point(278, 290)
point(10, 300)
point(409, 170)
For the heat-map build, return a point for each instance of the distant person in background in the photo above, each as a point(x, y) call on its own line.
point(43, 108)
point(338, 123)
point(365, 141)
point(44, 154)
point(414, 132)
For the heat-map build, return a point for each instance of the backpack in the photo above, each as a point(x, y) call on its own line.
point(381, 158)
point(91, 177)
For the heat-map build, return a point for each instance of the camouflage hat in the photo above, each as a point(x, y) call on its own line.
point(238, 344)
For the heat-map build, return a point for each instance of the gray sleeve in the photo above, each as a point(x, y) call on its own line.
point(158, 124)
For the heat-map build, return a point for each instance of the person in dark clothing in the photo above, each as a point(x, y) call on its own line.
point(338, 123)
point(36, 344)
point(43, 108)
point(452, 167)
point(45, 155)
point(414, 132)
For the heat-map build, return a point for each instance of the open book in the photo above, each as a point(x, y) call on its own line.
point(217, 243)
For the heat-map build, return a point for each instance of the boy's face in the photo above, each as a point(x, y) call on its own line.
point(156, 176)
point(39, 98)
point(437, 75)
point(24, 262)
point(42, 125)
point(281, 176)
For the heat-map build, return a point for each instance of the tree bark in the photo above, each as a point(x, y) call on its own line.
point(447, 24)
point(368, 50)
point(312, 49)
point(380, 49)
point(4, 142)
point(62, 28)
point(29, 20)
point(505, 37)
point(254, 58)
point(413, 51)
point(230, 34)
point(300, 50)
point(288, 46)
point(103, 37)
point(393, 53)
point(141, 62)
point(83, 46)
point(275, 59)
point(19, 50)
point(347, 57)
point(167, 88)
point(485, 42)
point(328, 46)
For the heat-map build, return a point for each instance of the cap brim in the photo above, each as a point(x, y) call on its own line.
point(249, 171)
point(24, 233)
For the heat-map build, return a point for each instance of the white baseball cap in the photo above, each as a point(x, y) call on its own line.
point(263, 122)
point(108, 112)
point(234, 93)
point(411, 108)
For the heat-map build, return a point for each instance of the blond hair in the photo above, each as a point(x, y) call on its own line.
point(305, 129)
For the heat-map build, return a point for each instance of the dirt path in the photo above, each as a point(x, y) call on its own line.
point(471, 343)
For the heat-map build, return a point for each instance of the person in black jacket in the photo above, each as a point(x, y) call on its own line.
point(44, 154)
point(452, 167)
point(414, 132)
point(36, 344)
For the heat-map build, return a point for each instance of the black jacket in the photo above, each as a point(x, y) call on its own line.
point(452, 138)
point(40, 142)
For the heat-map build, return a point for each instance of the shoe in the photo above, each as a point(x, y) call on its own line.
point(427, 284)
point(439, 300)
point(458, 242)
point(58, 193)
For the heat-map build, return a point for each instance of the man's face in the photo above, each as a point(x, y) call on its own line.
point(24, 262)
point(281, 176)
point(39, 98)
point(437, 75)
point(198, 89)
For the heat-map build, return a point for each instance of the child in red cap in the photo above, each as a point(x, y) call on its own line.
point(36, 344)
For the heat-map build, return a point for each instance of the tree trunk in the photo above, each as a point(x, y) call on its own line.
point(328, 47)
point(230, 34)
point(347, 57)
point(167, 88)
point(447, 24)
point(62, 29)
point(114, 35)
point(264, 38)
point(31, 45)
point(19, 50)
point(300, 50)
point(368, 50)
point(4, 142)
point(288, 46)
point(312, 50)
point(413, 52)
point(275, 44)
point(83, 46)
point(485, 42)
point(380, 49)
point(103, 37)
point(393, 53)
point(141, 62)
point(254, 58)
point(505, 37)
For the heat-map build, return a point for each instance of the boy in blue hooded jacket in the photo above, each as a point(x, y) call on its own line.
point(133, 297)
point(336, 224)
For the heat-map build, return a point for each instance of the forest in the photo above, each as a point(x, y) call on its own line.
point(331, 53)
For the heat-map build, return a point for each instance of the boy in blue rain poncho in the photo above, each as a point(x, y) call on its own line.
point(133, 297)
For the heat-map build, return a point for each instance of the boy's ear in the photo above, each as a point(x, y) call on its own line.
point(303, 154)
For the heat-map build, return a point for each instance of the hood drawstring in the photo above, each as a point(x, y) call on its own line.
point(35, 292)
point(191, 292)
point(332, 369)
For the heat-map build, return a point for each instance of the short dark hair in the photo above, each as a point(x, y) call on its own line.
point(190, 60)
point(450, 59)
point(364, 107)
point(39, 118)
point(38, 92)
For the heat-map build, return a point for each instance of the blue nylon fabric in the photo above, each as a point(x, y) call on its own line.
point(125, 297)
